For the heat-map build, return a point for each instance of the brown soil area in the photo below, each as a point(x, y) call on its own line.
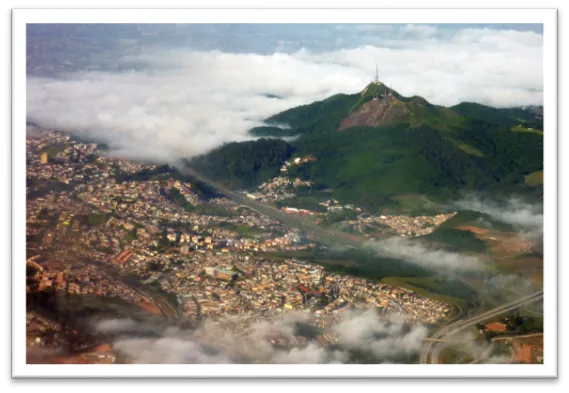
point(102, 347)
point(537, 277)
point(496, 327)
point(81, 358)
point(529, 350)
point(150, 307)
point(376, 112)
point(502, 244)
point(532, 268)
point(509, 249)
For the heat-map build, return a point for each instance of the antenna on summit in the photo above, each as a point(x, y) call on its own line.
point(376, 81)
point(376, 74)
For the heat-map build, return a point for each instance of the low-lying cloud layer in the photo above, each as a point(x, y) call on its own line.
point(509, 287)
point(417, 252)
point(477, 351)
point(525, 216)
point(184, 102)
point(358, 332)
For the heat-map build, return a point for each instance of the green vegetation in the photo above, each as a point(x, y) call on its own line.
point(130, 236)
point(336, 217)
point(372, 90)
point(469, 217)
point(150, 174)
point(247, 231)
point(245, 164)
point(469, 149)
point(520, 128)
point(415, 110)
point(180, 200)
point(427, 150)
point(155, 266)
point(53, 150)
point(303, 202)
point(430, 287)
point(272, 131)
point(414, 205)
point(214, 210)
point(93, 219)
point(501, 349)
point(534, 179)
point(453, 355)
point(456, 240)
point(479, 112)
point(102, 146)
point(318, 117)
point(243, 230)
point(77, 311)
point(361, 263)
point(42, 187)
point(523, 324)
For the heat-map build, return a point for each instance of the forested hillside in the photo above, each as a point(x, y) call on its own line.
point(421, 149)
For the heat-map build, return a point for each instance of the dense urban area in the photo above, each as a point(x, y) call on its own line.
point(103, 227)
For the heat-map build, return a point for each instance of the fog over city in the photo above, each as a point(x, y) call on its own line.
point(386, 340)
point(419, 253)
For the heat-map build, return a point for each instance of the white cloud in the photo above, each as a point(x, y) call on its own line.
point(422, 31)
point(504, 288)
point(416, 252)
point(186, 102)
point(514, 211)
point(386, 340)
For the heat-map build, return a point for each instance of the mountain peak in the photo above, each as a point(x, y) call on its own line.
point(379, 105)
point(375, 89)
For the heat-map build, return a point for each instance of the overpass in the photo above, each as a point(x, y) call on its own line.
point(442, 340)
point(430, 352)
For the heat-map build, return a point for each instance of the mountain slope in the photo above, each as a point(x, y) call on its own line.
point(378, 152)
point(320, 116)
point(379, 106)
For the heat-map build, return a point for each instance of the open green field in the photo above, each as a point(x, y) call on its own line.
point(93, 219)
point(303, 202)
point(453, 355)
point(468, 149)
point(415, 204)
point(53, 150)
point(520, 128)
point(425, 286)
point(534, 179)
point(247, 231)
point(391, 272)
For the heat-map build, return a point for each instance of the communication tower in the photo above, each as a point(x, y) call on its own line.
point(376, 81)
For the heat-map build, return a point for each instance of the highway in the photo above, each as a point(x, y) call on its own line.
point(430, 352)
point(326, 236)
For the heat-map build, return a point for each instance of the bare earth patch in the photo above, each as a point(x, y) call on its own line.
point(150, 307)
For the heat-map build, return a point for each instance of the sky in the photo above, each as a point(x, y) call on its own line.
point(163, 92)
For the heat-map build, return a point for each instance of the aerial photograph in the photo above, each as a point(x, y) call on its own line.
point(284, 193)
